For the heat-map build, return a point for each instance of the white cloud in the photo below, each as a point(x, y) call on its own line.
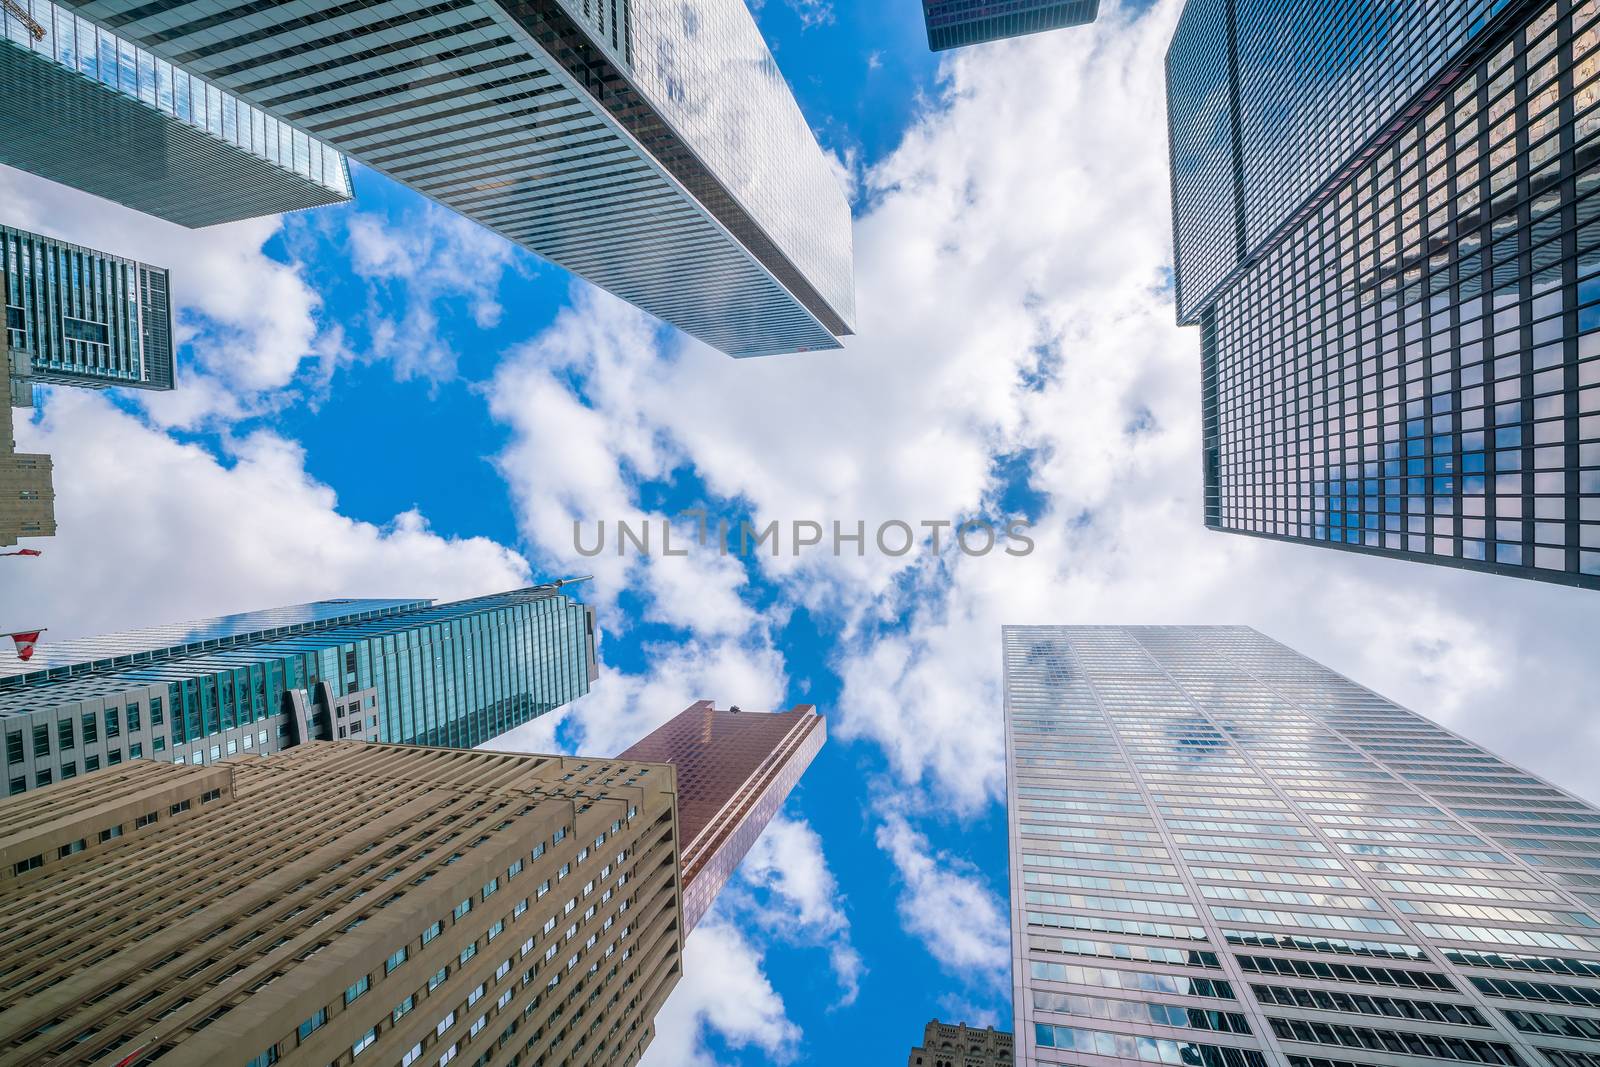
point(945, 903)
point(803, 901)
point(723, 989)
point(249, 319)
point(154, 531)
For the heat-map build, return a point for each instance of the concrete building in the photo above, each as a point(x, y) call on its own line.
point(341, 903)
point(944, 1045)
point(27, 490)
point(404, 671)
point(651, 146)
point(87, 107)
point(735, 769)
point(1383, 221)
point(955, 23)
point(1225, 854)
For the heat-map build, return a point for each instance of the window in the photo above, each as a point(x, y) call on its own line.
point(133, 717)
point(364, 1041)
point(144, 820)
point(91, 728)
point(135, 751)
point(156, 718)
point(69, 770)
point(14, 747)
point(159, 744)
point(432, 932)
point(178, 808)
point(216, 753)
point(469, 952)
point(91, 763)
point(64, 735)
point(412, 1056)
point(490, 887)
point(444, 1024)
point(461, 908)
point(436, 979)
point(313, 1024)
point(233, 747)
point(66, 850)
point(114, 757)
point(42, 777)
point(394, 961)
point(32, 863)
point(265, 1059)
point(403, 1008)
point(41, 740)
point(110, 832)
point(360, 986)
point(17, 786)
point(209, 795)
point(113, 722)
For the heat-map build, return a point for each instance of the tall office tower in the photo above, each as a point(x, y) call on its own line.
point(954, 23)
point(90, 109)
point(735, 770)
point(27, 490)
point(651, 146)
point(404, 671)
point(1225, 854)
point(340, 904)
point(1384, 225)
point(944, 1045)
point(79, 317)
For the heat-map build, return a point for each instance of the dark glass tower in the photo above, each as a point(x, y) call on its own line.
point(735, 769)
point(79, 317)
point(953, 23)
point(652, 147)
point(1382, 220)
point(405, 671)
point(1224, 854)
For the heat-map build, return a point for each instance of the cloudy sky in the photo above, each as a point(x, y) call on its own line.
point(382, 400)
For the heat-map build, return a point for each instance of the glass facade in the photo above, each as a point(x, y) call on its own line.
point(1411, 366)
point(650, 147)
point(1223, 853)
point(144, 132)
point(953, 23)
point(79, 317)
point(453, 675)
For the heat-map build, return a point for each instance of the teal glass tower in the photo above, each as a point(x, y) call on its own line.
point(1224, 854)
point(404, 671)
point(954, 23)
point(88, 108)
point(1385, 222)
point(650, 146)
point(79, 317)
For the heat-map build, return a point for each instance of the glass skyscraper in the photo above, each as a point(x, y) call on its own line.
point(651, 146)
point(79, 317)
point(953, 23)
point(88, 108)
point(734, 770)
point(1385, 229)
point(404, 671)
point(1225, 854)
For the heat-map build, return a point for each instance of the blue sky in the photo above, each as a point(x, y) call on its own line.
point(383, 400)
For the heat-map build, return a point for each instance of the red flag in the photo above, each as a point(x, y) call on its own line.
point(25, 642)
point(23, 552)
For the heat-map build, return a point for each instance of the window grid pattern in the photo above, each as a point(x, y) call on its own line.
point(1377, 869)
point(1415, 369)
point(955, 23)
point(525, 117)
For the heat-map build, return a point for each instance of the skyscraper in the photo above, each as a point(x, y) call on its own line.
point(953, 23)
point(735, 769)
point(79, 317)
point(404, 671)
point(1382, 219)
point(338, 904)
point(651, 146)
point(1225, 854)
point(88, 108)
